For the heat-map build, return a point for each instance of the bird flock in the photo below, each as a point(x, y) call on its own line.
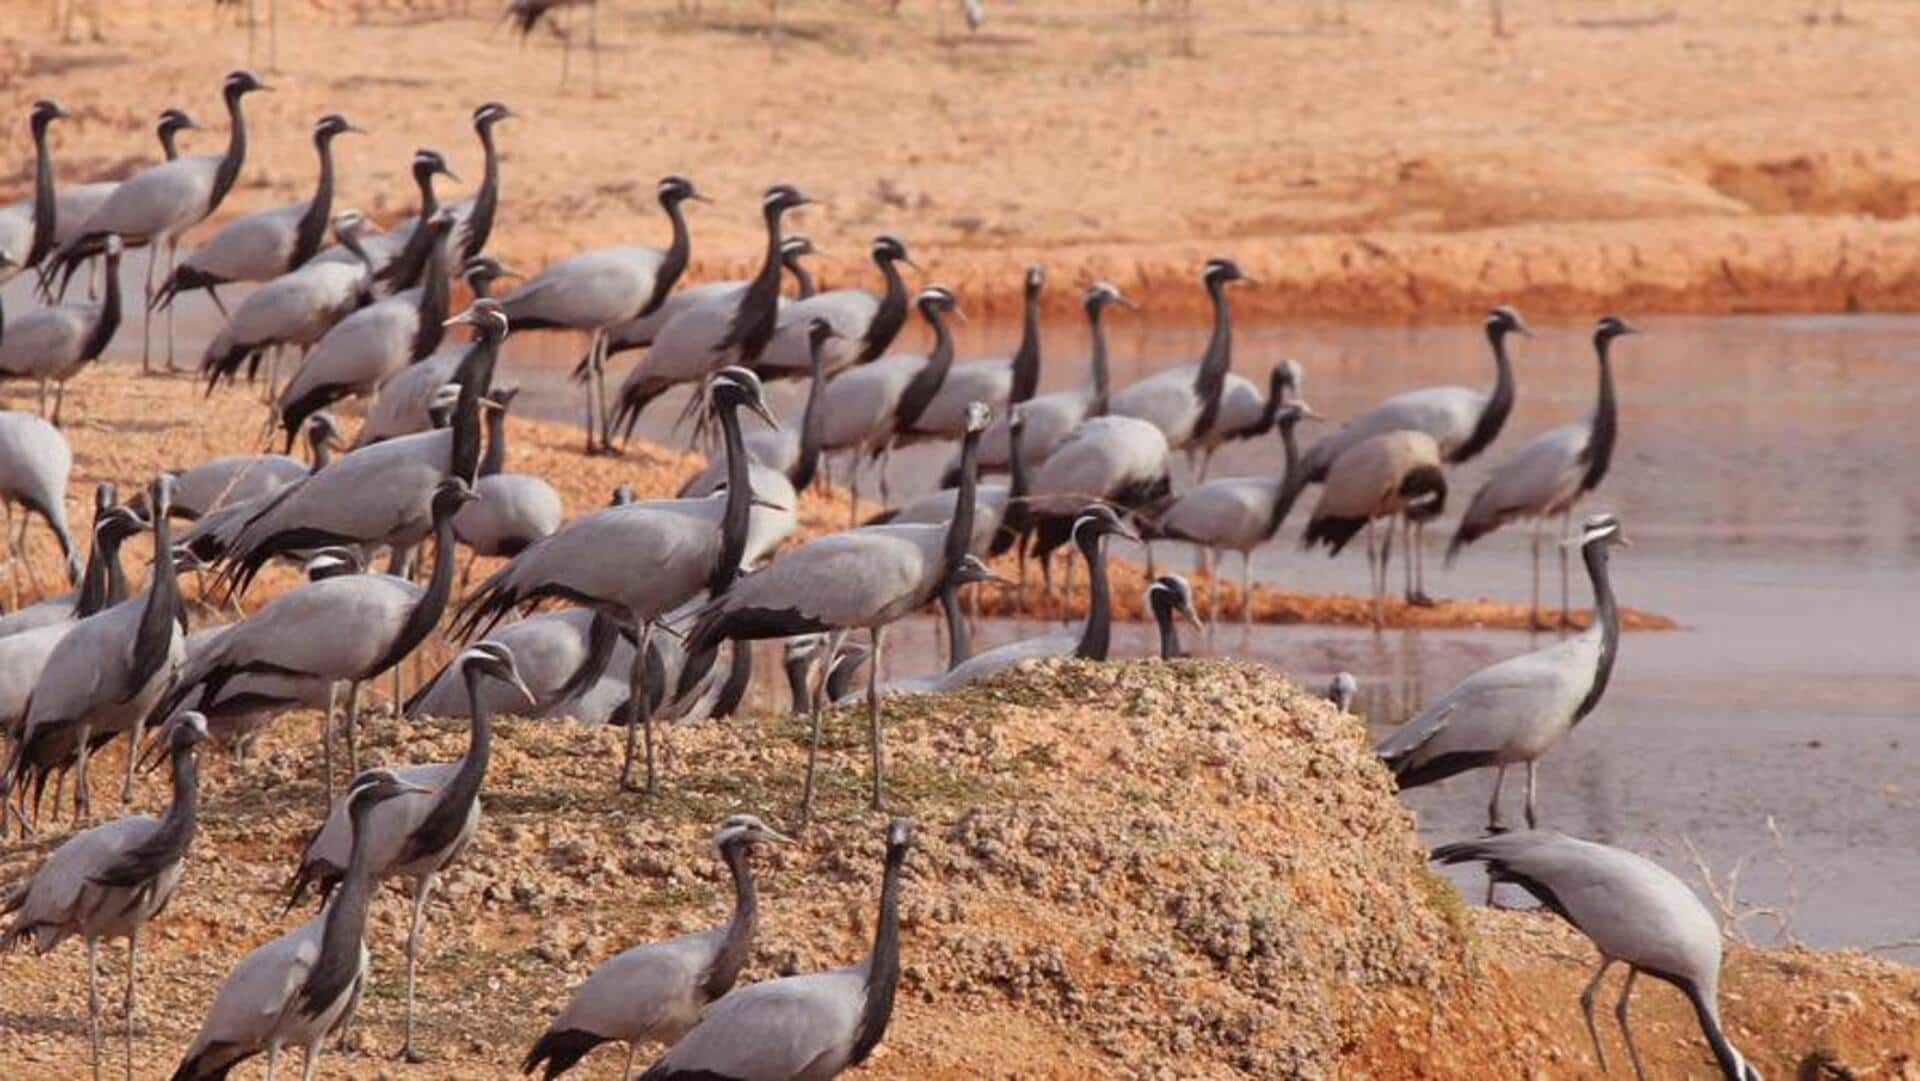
point(644, 611)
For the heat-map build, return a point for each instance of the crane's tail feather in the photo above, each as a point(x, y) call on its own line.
point(560, 1050)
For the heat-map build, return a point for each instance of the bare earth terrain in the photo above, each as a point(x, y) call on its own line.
point(1128, 870)
point(1725, 155)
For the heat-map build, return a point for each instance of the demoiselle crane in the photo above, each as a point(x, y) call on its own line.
point(217, 482)
point(371, 344)
point(399, 254)
point(51, 344)
point(510, 510)
point(600, 289)
point(691, 545)
point(791, 451)
point(1183, 402)
point(970, 571)
point(1094, 636)
point(657, 991)
point(372, 622)
point(155, 206)
point(708, 329)
point(1384, 476)
point(35, 462)
point(999, 510)
point(105, 676)
point(1462, 421)
point(299, 988)
point(1634, 911)
point(862, 578)
point(1244, 413)
point(1049, 417)
point(107, 882)
point(1169, 597)
point(867, 406)
point(558, 655)
point(401, 403)
point(295, 310)
point(418, 834)
point(1235, 513)
point(997, 381)
point(1110, 459)
point(473, 216)
point(811, 1026)
point(264, 244)
point(865, 325)
point(1550, 473)
point(1517, 710)
point(27, 226)
point(382, 494)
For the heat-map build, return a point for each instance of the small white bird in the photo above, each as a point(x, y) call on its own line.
point(656, 991)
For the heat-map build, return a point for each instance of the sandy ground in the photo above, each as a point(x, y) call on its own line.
point(1367, 160)
point(1127, 870)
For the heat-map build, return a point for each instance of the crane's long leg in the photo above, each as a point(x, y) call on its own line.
point(1566, 530)
point(853, 489)
point(43, 400)
point(1586, 1009)
point(93, 1001)
point(1066, 597)
point(1420, 595)
point(273, 1059)
point(82, 798)
point(818, 692)
point(353, 727)
point(326, 740)
point(593, 40)
point(627, 1070)
point(1531, 822)
point(421, 891)
point(1246, 590)
point(1213, 585)
point(133, 757)
point(1493, 805)
point(1535, 621)
point(146, 320)
point(640, 715)
point(879, 638)
point(1626, 1030)
point(173, 256)
point(309, 1059)
point(133, 959)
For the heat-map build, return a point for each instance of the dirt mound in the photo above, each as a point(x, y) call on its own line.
point(1136, 869)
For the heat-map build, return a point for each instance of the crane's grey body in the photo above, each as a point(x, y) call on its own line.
point(298, 308)
point(864, 324)
point(1520, 708)
point(35, 462)
point(250, 701)
point(1633, 910)
point(1183, 402)
point(549, 649)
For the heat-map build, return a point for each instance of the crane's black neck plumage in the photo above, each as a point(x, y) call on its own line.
point(109, 321)
point(164, 614)
point(1211, 377)
point(1276, 396)
point(236, 156)
point(475, 376)
point(959, 538)
point(799, 670)
point(1097, 360)
point(44, 222)
point(169, 132)
point(959, 643)
point(754, 320)
point(436, 291)
point(1606, 616)
point(679, 249)
point(425, 614)
point(1292, 482)
point(1729, 1060)
point(486, 200)
point(496, 456)
point(883, 964)
point(737, 943)
point(1026, 357)
point(889, 317)
point(441, 828)
point(337, 967)
point(105, 583)
point(920, 390)
point(1096, 634)
point(312, 228)
point(1163, 602)
point(802, 277)
point(813, 421)
point(1499, 403)
point(733, 690)
point(168, 844)
point(1606, 419)
point(738, 511)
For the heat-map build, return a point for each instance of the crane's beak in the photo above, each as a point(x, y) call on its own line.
point(958, 314)
point(466, 316)
point(1192, 617)
point(521, 686)
point(760, 408)
point(770, 835)
point(355, 129)
point(1124, 531)
point(1125, 302)
point(767, 505)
